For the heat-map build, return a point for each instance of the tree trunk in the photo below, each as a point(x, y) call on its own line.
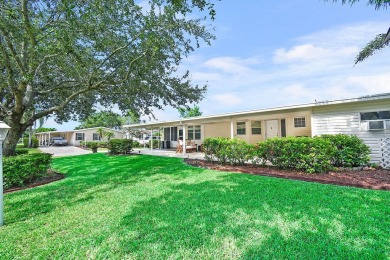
point(12, 140)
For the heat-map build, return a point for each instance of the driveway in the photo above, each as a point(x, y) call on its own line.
point(63, 150)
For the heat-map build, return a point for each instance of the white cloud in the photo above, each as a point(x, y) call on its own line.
point(226, 100)
point(231, 65)
point(309, 52)
point(371, 84)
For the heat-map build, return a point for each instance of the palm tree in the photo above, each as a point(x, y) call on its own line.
point(101, 133)
point(109, 135)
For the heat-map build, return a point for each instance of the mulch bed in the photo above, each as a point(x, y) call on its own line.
point(50, 177)
point(375, 179)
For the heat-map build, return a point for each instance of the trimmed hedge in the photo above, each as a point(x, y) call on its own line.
point(319, 154)
point(92, 144)
point(26, 168)
point(120, 146)
point(20, 151)
point(34, 142)
point(299, 153)
point(350, 151)
point(225, 150)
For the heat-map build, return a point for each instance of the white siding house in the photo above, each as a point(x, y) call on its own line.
point(367, 117)
point(346, 118)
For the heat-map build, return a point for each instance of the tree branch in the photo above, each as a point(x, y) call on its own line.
point(66, 101)
point(12, 49)
point(43, 62)
point(60, 85)
point(7, 61)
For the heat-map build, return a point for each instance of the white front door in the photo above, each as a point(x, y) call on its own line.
point(272, 128)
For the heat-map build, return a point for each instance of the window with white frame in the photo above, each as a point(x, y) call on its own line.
point(299, 122)
point(197, 132)
point(256, 127)
point(194, 132)
point(241, 129)
point(79, 136)
point(96, 137)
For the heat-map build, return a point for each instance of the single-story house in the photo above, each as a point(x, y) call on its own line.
point(368, 117)
point(75, 137)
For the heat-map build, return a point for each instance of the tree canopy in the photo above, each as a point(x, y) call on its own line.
point(102, 119)
point(62, 58)
point(186, 112)
point(381, 40)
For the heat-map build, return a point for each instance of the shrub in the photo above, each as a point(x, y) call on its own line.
point(103, 144)
point(210, 145)
point(313, 155)
point(136, 144)
point(92, 145)
point(120, 146)
point(34, 142)
point(225, 150)
point(300, 153)
point(349, 150)
point(20, 151)
point(156, 143)
point(26, 168)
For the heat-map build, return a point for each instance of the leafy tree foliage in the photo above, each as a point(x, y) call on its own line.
point(62, 58)
point(44, 129)
point(102, 119)
point(381, 40)
point(189, 112)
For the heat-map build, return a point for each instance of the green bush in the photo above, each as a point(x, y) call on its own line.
point(26, 168)
point(313, 155)
point(349, 150)
point(156, 143)
point(299, 153)
point(103, 144)
point(225, 150)
point(136, 144)
point(34, 142)
point(92, 145)
point(20, 151)
point(120, 146)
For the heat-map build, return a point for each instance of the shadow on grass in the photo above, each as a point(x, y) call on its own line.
point(207, 214)
point(87, 175)
point(251, 217)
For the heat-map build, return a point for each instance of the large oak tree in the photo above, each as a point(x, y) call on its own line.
point(61, 58)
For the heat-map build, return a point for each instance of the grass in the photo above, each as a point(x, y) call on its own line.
point(144, 207)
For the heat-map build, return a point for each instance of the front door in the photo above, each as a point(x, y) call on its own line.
point(272, 128)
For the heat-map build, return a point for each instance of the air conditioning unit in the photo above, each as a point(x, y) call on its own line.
point(376, 125)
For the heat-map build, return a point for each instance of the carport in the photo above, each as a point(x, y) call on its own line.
point(45, 137)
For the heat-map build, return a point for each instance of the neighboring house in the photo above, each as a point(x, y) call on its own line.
point(367, 117)
point(75, 137)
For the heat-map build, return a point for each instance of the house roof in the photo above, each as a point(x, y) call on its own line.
point(383, 96)
point(79, 130)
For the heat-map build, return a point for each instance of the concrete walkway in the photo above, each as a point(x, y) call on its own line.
point(58, 151)
point(169, 153)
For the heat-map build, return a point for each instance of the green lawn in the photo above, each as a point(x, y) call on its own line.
point(144, 207)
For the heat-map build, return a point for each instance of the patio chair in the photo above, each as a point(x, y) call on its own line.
point(179, 148)
point(191, 146)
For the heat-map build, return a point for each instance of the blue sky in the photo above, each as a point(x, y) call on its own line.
point(277, 53)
